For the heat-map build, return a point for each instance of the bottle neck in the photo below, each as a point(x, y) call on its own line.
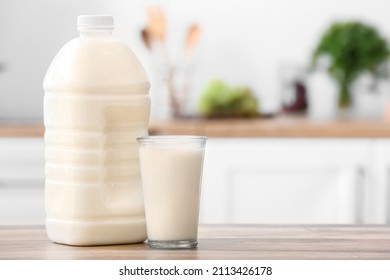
point(95, 33)
point(95, 26)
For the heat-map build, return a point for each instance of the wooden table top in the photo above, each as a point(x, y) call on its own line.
point(217, 242)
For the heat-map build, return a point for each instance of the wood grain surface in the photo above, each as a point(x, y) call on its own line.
point(282, 127)
point(21, 130)
point(217, 242)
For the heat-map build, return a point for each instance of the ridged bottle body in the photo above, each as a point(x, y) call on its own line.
point(96, 104)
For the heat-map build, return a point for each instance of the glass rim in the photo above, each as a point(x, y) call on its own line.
point(171, 138)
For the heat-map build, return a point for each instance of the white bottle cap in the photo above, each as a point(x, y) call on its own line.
point(95, 22)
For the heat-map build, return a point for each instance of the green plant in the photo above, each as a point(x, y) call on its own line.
point(220, 100)
point(353, 47)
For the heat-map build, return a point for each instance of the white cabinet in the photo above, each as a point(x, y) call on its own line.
point(290, 181)
point(21, 181)
point(379, 189)
point(285, 181)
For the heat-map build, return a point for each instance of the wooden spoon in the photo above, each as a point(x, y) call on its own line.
point(156, 22)
point(146, 38)
point(192, 39)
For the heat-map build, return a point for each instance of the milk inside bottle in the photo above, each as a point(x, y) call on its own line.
point(96, 104)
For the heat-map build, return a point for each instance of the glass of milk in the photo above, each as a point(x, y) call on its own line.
point(171, 170)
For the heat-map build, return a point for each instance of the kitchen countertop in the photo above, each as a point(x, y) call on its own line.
point(282, 127)
point(26, 130)
point(217, 242)
point(278, 127)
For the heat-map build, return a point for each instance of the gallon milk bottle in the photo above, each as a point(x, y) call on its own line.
point(96, 104)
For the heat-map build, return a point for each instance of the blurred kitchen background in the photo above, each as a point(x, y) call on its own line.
point(294, 95)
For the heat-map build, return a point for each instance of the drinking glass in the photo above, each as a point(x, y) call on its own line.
point(171, 170)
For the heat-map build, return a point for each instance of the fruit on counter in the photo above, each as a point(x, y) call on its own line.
point(220, 100)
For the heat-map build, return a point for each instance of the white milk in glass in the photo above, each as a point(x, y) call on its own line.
point(96, 104)
point(171, 181)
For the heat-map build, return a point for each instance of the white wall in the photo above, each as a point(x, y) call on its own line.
point(243, 41)
point(31, 33)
